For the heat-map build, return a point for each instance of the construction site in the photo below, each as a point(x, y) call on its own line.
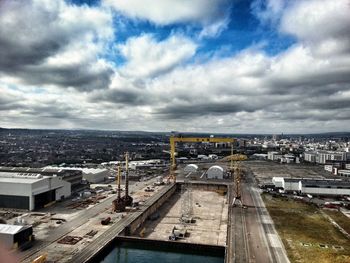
point(203, 218)
point(211, 206)
point(189, 204)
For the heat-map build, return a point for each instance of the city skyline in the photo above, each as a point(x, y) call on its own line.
point(194, 66)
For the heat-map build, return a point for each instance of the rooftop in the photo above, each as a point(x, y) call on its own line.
point(11, 229)
point(8, 177)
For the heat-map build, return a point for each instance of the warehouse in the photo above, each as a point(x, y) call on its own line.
point(313, 186)
point(287, 184)
point(13, 236)
point(95, 175)
point(278, 182)
point(291, 184)
point(345, 173)
point(72, 176)
point(325, 187)
point(31, 191)
point(91, 175)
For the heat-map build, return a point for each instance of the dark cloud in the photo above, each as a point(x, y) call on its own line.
point(81, 78)
point(315, 83)
point(127, 97)
point(32, 32)
point(183, 111)
point(166, 82)
point(51, 109)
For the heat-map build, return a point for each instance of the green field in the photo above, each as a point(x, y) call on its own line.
point(303, 229)
point(339, 218)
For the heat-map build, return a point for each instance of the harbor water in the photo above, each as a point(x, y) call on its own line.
point(127, 252)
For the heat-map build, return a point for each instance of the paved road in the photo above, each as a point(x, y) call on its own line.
point(69, 226)
point(239, 235)
point(251, 231)
point(265, 244)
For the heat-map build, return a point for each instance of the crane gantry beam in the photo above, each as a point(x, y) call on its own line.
point(175, 139)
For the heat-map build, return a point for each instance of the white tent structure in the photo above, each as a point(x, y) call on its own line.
point(191, 168)
point(215, 172)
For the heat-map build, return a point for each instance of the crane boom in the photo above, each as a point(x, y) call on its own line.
point(174, 140)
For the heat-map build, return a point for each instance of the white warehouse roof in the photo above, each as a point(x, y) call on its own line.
point(19, 178)
point(10, 229)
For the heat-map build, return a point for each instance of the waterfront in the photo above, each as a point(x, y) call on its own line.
point(138, 253)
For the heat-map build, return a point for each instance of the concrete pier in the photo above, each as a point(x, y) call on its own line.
point(126, 226)
point(133, 221)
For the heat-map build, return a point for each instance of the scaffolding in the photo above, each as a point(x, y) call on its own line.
point(237, 185)
point(187, 203)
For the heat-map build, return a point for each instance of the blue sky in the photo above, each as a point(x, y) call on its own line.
point(266, 66)
point(243, 30)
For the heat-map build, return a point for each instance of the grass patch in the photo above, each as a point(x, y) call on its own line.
point(299, 223)
point(339, 218)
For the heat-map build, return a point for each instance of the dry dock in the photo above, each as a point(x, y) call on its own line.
point(130, 223)
point(210, 210)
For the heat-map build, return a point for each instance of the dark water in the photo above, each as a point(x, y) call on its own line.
point(129, 253)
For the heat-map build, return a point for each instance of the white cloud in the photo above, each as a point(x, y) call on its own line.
point(269, 11)
point(212, 15)
point(160, 87)
point(214, 29)
point(146, 57)
point(167, 12)
point(317, 19)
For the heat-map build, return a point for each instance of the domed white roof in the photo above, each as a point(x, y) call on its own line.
point(191, 168)
point(216, 167)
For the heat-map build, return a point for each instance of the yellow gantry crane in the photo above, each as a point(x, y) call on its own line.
point(175, 139)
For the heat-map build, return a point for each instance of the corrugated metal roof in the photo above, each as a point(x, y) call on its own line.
point(11, 229)
point(18, 178)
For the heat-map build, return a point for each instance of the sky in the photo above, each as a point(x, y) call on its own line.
point(224, 66)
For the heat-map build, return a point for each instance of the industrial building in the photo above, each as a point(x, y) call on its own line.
point(215, 172)
point(310, 157)
point(145, 164)
point(91, 175)
point(274, 156)
point(94, 176)
point(286, 158)
point(345, 173)
point(325, 187)
point(72, 176)
point(287, 184)
point(30, 191)
point(13, 236)
point(313, 186)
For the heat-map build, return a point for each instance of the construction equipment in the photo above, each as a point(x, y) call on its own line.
point(105, 221)
point(142, 232)
point(178, 233)
point(235, 158)
point(175, 139)
point(40, 259)
point(118, 204)
point(127, 198)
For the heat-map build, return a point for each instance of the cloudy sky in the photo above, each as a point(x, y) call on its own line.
point(233, 66)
